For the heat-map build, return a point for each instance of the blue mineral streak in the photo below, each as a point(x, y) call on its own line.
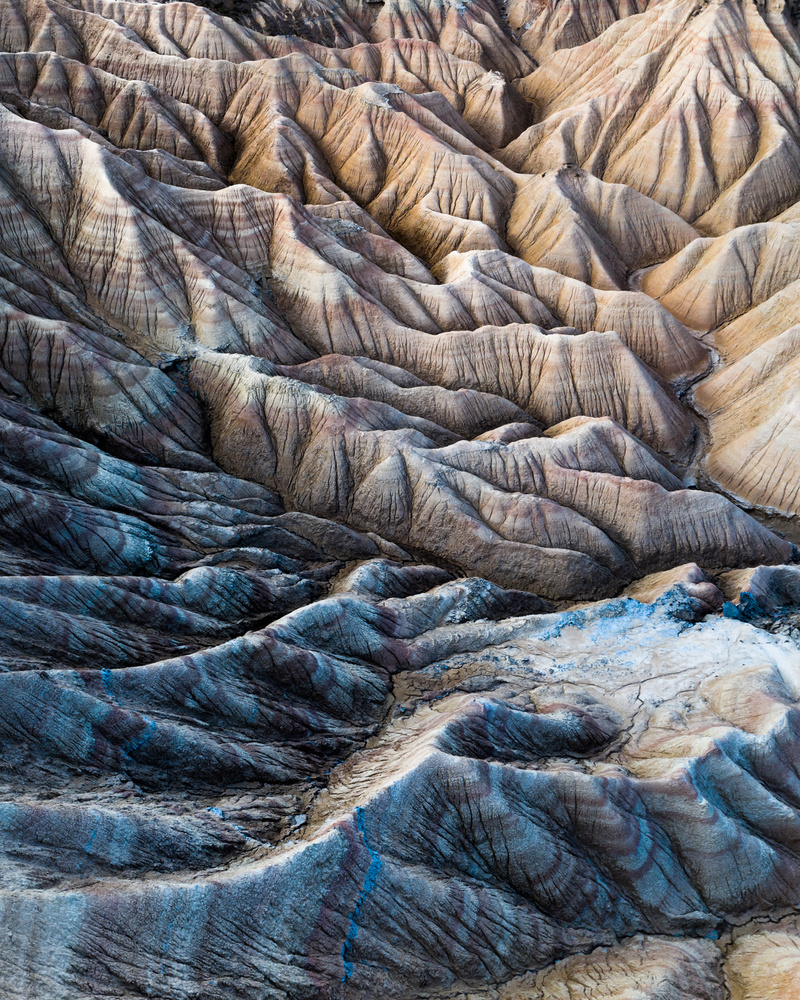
point(375, 865)
point(151, 728)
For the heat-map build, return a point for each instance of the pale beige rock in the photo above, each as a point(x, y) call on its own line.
point(772, 586)
point(765, 964)
point(754, 423)
point(337, 340)
point(691, 103)
point(498, 287)
point(569, 221)
point(689, 577)
point(543, 26)
point(713, 281)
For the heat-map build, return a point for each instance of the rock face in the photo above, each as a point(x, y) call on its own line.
point(399, 463)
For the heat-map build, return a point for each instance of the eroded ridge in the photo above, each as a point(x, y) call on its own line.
point(399, 455)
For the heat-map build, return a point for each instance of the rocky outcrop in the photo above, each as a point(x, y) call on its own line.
point(496, 821)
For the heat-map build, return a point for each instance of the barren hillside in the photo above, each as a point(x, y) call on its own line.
point(400, 477)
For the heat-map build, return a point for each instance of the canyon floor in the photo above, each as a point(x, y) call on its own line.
point(399, 479)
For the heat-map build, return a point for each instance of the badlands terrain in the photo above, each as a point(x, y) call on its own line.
point(400, 476)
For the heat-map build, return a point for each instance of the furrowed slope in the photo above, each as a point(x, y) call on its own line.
point(398, 479)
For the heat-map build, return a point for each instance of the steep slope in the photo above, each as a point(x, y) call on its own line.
point(398, 479)
point(691, 103)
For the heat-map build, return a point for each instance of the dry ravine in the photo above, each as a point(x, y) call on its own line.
point(399, 500)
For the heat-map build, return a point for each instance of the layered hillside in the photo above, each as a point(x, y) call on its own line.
point(399, 474)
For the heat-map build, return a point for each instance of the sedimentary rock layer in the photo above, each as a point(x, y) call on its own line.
point(399, 455)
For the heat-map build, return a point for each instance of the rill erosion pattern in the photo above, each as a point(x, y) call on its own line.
point(399, 479)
